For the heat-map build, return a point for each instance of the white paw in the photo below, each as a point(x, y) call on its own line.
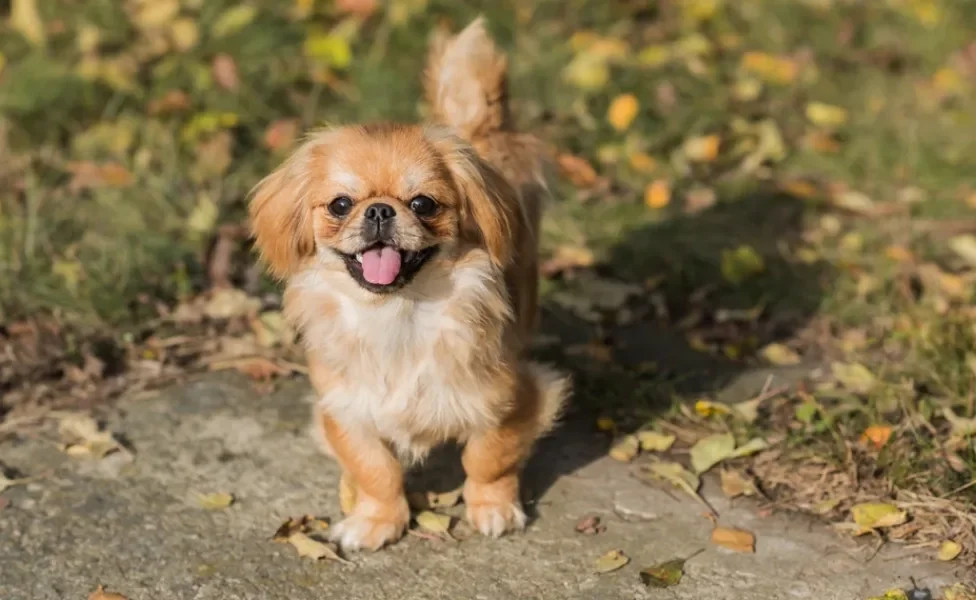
point(494, 520)
point(359, 532)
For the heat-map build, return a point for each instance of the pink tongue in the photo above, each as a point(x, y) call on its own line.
point(381, 265)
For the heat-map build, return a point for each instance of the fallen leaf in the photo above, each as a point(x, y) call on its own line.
point(965, 247)
point(101, 594)
point(676, 475)
point(328, 49)
point(749, 448)
point(622, 112)
point(566, 258)
point(806, 411)
point(961, 427)
point(709, 451)
point(440, 500)
point(230, 303)
point(606, 424)
point(225, 71)
point(874, 515)
point(826, 115)
point(170, 102)
point(215, 500)
point(184, 33)
point(281, 134)
point(657, 195)
point(652, 441)
point(83, 437)
point(156, 14)
point(577, 170)
point(587, 71)
point(891, 595)
point(855, 202)
point(643, 162)
point(748, 410)
point(26, 20)
point(311, 548)
point(664, 575)
point(360, 8)
point(257, 368)
point(590, 525)
point(825, 506)
point(272, 329)
point(89, 175)
point(740, 264)
point(735, 485)
point(773, 69)
point(799, 188)
point(625, 449)
point(734, 539)
point(702, 149)
point(959, 591)
point(434, 522)
point(233, 20)
point(611, 561)
point(876, 435)
point(699, 199)
point(854, 376)
point(707, 408)
point(779, 354)
point(949, 550)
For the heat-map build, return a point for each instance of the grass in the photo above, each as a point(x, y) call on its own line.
point(834, 219)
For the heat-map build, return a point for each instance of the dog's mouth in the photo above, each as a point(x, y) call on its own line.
point(383, 267)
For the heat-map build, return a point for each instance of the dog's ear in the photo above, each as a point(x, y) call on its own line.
point(281, 217)
point(490, 205)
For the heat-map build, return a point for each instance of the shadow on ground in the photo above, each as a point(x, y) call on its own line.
point(634, 360)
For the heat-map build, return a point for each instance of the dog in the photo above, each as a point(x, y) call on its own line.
point(410, 255)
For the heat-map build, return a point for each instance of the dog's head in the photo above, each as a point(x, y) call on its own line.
point(381, 202)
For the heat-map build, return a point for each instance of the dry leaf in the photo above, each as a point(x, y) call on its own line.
point(699, 199)
point(961, 427)
point(643, 162)
point(26, 20)
point(590, 525)
point(622, 112)
point(751, 447)
point(625, 449)
point(360, 8)
point(587, 71)
point(854, 201)
point(657, 195)
point(233, 20)
point(281, 134)
point(664, 575)
point(184, 34)
point(734, 539)
point(215, 500)
point(6, 483)
point(779, 354)
point(702, 149)
point(959, 591)
point(170, 102)
point(773, 69)
point(225, 71)
point(854, 376)
point(949, 550)
point(606, 424)
point(676, 475)
point(83, 437)
point(748, 410)
point(652, 441)
point(230, 303)
point(88, 175)
point(710, 451)
point(101, 594)
point(874, 515)
point(735, 485)
point(434, 522)
point(314, 549)
point(876, 435)
point(577, 169)
point(965, 247)
point(445, 499)
point(566, 258)
point(826, 115)
point(611, 561)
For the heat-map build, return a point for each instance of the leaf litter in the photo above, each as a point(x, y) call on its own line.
point(301, 533)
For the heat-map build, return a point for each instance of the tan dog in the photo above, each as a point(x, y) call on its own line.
point(410, 254)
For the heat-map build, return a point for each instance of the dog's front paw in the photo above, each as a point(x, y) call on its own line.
point(371, 526)
point(494, 508)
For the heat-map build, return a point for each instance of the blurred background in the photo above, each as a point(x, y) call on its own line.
point(744, 187)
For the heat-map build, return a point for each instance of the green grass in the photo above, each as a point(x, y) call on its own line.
point(825, 279)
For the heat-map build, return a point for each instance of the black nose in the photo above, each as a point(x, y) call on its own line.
point(380, 212)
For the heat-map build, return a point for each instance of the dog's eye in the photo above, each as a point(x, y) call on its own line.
point(423, 206)
point(341, 206)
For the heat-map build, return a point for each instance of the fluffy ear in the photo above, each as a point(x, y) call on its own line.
point(491, 208)
point(281, 218)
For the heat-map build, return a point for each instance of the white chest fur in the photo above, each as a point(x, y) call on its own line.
point(415, 370)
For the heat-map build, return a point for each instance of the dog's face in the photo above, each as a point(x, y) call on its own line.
point(381, 203)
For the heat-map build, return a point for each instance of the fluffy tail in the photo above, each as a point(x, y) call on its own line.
point(553, 389)
point(466, 82)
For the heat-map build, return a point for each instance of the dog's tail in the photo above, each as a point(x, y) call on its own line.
point(466, 82)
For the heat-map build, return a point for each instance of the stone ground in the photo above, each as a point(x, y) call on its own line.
point(133, 522)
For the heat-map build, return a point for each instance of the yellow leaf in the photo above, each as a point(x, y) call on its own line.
point(588, 72)
point(626, 449)
point(751, 447)
point(156, 13)
point(709, 451)
point(961, 427)
point(622, 112)
point(948, 81)
point(874, 515)
point(233, 20)
point(676, 475)
point(26, 20)
point(854, 376)
point(891, 595)
point(735, 485)
point(779, 354)
point(611, 561)
point(734, 539)
point(657, 195)
point(748, 410)
point(876, 435)
point(740, 264)
point(311, 548)
point(216, 500)
point(707, 408)
point(826, 115)
point(184, 33)
point(959, 591)
point(654, 56)
point(434, 522)
point(965, 247)
point(605, 424)
point(799, 188)
point(773, 69)
point(702, 149)
point(83, 437)
point(329, 49)
point(652, 441)
point(399, 12)
point(203, 218)
point(899, 254)
point(642, 162)
point(949, 550)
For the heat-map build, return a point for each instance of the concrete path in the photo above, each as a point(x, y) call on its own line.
point(133, 522)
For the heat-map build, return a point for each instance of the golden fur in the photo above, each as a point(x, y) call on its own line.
point(438, 356)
